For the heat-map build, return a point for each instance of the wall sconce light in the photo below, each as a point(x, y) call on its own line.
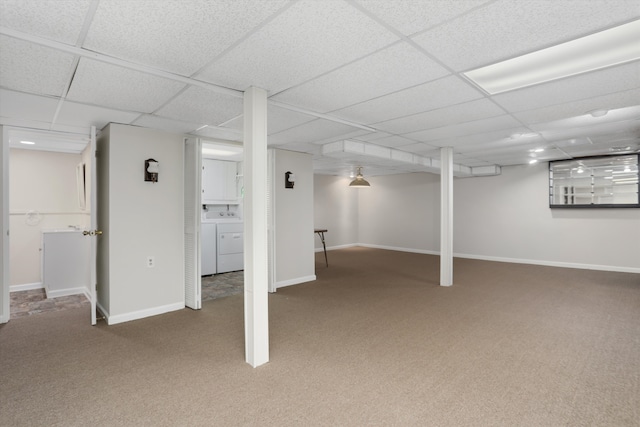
point(289, 179)
point(151, 170)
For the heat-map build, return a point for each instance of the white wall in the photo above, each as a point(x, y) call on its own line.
point(335, 208)
point(401, 212)
point(508, 217)
point(504, 218)
point(44, 182)
point(144, 219)
point(295, 261)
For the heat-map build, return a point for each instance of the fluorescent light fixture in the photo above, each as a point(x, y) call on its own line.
point(27, 142)
point(614, 46)
point(533, 161)
point(220, 150)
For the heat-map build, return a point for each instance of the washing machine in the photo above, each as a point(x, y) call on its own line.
point(230, 247)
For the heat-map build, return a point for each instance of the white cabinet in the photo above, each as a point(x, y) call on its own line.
point(219, 182)
point(65, 263)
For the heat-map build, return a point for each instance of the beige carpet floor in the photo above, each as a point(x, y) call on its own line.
point(374, 341)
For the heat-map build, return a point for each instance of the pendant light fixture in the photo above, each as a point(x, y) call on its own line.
point(360, 182)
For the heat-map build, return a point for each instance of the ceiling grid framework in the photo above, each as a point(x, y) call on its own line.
point(386, 75)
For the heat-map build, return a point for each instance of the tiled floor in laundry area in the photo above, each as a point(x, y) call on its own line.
point(222, 285)
point(27, 303)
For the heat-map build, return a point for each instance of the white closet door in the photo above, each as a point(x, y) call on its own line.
point(271, 220)
point(93, 206)
point(4, 226)
point(192, 195)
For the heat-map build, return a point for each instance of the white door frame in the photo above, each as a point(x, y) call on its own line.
point(192, 222)
point(4, 227)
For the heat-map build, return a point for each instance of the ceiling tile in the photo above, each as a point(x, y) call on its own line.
point(177, 37)
point(581, 87)
point(169, 125)
point(429, 96)
point(389, 70)
point(578, 108)
point(18, 105)
point(465, 112)
point(278, 119)
point(506, 28)
point(412, 16)
point(21, 65)
point(302, 147)
point(493, 140)
point(310, 132)
point(308, 39)
point(203, 106)
point(219, 133)
point(418, 148)
point(120, 88)
point(74, 114)
point(600, 149)
point(373, 136)
point(52, 19)
point(462, 129)
point(608, 129)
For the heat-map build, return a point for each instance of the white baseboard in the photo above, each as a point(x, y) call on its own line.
point(395, 248)
point(552, 263)
point(66, 292)
point(295, 281)
point(26, 287)
point(141, 314)
point(330, 248)
point(512, 260)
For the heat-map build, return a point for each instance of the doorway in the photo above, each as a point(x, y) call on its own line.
point(47, 198)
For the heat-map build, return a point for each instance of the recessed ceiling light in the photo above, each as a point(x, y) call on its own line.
point(599, 113)
point(533, 161)
point(614, 46)
point(27, 142)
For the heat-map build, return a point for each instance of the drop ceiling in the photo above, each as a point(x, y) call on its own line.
point(386, 76)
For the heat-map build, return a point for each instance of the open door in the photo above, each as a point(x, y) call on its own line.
point(192, 198)
point(93, 196)
point(4, 226)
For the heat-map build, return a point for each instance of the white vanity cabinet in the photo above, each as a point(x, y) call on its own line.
point(66, 262)
point(219, 182)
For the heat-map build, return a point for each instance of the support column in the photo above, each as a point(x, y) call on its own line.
point(446, 216)
point(256, 309)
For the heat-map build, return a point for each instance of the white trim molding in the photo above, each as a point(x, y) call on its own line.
point(140, 314)
point(295, 281)
point(26, 287)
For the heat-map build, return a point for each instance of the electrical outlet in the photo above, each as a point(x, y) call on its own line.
point(151, 262)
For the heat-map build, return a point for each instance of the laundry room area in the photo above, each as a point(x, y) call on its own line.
point(221, 227)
